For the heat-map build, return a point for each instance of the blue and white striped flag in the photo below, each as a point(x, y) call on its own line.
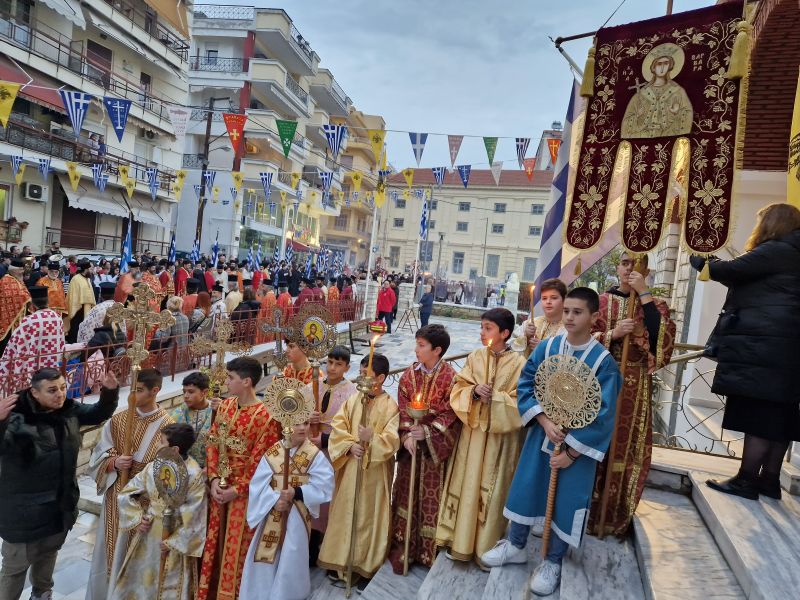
point(418, 144)
point(384, 173)
point(276, 256)
point(335, 134)
point(44, 167)
point(289, 251)
point(102, 181)
point(423, 221)
point(438, 174)
point(308, 265)
point(152, 181)
point(16, 161)
point(259, 258)
point(208, 180)
point(327, 178)
point(198, 190)
point(250, 255)
point(215, 251)
point(118, 109)
point(127, 249)
point(77, 106)
point(419, 193)
point(97, 171)
point(266, 183)
point(234, 194)
point(522, 149)
point(172, 255)
point(195, 254)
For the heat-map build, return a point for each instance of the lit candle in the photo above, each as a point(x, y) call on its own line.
point(488, 358)
point(533, 289)
point(371, 354)
point(418, 403)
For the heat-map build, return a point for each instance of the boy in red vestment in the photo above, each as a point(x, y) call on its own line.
point(430, 379)
point(299, 367)
point(228, 535)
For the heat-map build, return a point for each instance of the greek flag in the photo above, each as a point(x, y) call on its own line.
point(207, 180)
point(419, 193)
point(438, 174)
point(423, 221)
point(172, 253)
point(77, 105)
point(463, 171)
point(327, 178)
point(197, 189)
point(16, 161)
point(522, 149)
point(258, 255)
point(118, 109)
point(276, 256)
point(215, 251)
point(44, 167)
point(308, 265)
point(335, 134)
point(195, 254)
point(266, 182)
point(418, 144)
point(338, 262)
point(152, 181)
point(97, 171)
point(250, 256)
point(127, 249)
point(384, 173)
point(289, 251)
point(234, 193)
point(102, 180)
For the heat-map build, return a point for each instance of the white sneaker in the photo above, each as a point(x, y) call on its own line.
point(546, 578)
point(504, 553)
point(537, 529)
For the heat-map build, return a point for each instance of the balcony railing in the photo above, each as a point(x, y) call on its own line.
point(295, 88)
point(101, 243)
point(216, 64)
point(201, 114)
point(301, 43)
point(285, 178)
point(148, 21)
point(214, 11)
point(192, 161)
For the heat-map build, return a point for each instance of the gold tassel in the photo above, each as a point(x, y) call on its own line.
point(587, 84)
point(741, 52)
point(705, 272)
point(578, 267)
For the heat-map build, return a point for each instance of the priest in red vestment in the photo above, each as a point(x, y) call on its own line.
point(125, 283)
point(181, 276)
point(14, 300)
point(56, 297)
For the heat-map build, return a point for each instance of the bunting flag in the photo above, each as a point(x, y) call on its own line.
point(44, 167)
point(16, 162)
point(356, 178)
point(529, 164)
point(74, 175)
point(234, 193)
point(295, 179)
point(327, 178)
point(19, 174)
point(409, 176)
point(266, 183)
point(238, 178)
point(207, 179)
point(8, 93)
point(271, 207)
point(356, 197)
point(454, 144)
point(234, 123)
point(118, 109)
point(348, 198)
point(172, 254)
point(152, 181)
point(179, 117)
point(215, 194)
point(553, 144)
point(418, 144)
point(97, 171)
point(77, 106)
point(490, 143)
point(406, 194)
point(283, 197)
point(340, 195)
point(286, 133)
point(178, 189)
point(197, 190)
point(180, 176)
point(384, 173)
point(335, 134)
point(123, 174)
point(496, 168)
point(377, 137)
point(130, 187)
point(522, 149)
point(463, 172)
point(102, 181)
point(438, 174)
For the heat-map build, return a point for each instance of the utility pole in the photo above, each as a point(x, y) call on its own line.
point(201, 206)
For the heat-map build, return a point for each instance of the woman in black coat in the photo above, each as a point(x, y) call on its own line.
point(756, 347)
point(426, 306)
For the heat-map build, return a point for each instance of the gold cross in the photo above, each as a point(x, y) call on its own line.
point(450, 510)
point(224, 442)
point(235, 135)
point(138, 314)
point(271, 539)
point(202, 346)
point(279, 359)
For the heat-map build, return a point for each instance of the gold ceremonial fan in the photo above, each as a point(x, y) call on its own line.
point(286, 403)
point(568, 391)
point(314, 330)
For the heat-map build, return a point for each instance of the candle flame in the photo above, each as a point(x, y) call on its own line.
point(375, 338)
point(489, 345)
point(533, 287)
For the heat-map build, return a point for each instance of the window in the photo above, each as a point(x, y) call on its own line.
point(529, 269)
point(211, 56)
point(473, 273)
point(500, 207)
point(362, 224)
point(462, 226)
point(497, 227)
point(400, 203)
point(492, 265)
point(463, 206)
point(340, 223)
point(433, 204)
point(537, 209)
point(534, 230)
point(426, 251)
point(398, 223)
point(458, 262)
point(431, 225)
point(394, 256)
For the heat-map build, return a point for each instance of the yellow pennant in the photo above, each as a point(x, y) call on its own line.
point(238, 178)
point(376, 138)
point(215, 194)
point(237, 205)
point(380, 198)
point(314, 194)
point(180, 175)
point(356, 178)
point(8, 93)
point(295, 180)
point(20, 173)
point(72, 167)
point(793, 175)
point(130, 185)
point(251, 191)
point(178, 189)
point(340, 193)
point(123, 174)
point(283, 198)
point(407, 194)
point(409, 175)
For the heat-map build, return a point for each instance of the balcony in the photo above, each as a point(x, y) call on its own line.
point(273, 86)
point(216, 64)
point(224, 12)
point(101, 243)
point(329, 95)
point(275, 30)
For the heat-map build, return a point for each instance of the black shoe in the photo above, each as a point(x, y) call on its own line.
point(771, 488)
point(362, 584)
point(735, 486)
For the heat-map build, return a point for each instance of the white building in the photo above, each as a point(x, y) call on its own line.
point(123, 49)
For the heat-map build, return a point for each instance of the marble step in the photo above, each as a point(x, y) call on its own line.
point(512, 581)
point(759, 539)
point(89, 501)
point(388, 586)
point(601, 570)
point(678, 557)
point(453, 580)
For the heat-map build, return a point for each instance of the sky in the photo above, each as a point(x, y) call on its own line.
point(462, 67)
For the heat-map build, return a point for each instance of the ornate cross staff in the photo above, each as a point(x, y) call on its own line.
point(279, 358)
point(224, 442)
point(139, 315)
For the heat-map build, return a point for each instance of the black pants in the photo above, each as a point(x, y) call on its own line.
point(423, 318)
point(387, 317)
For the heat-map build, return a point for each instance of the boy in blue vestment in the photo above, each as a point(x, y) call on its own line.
point(582, 449)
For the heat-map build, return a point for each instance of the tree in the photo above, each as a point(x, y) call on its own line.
point(603, 274)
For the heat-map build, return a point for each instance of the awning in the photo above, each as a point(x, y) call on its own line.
point(40, 89)
point(70, 9)
point(145, 210)
point(299, 246)
point(94, 200)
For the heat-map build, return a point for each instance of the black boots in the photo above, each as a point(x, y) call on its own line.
point(736, 486)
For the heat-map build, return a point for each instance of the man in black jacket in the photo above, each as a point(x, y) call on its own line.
point(39, 445)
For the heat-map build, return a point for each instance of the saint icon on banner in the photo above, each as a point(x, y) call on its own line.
point(660, 107)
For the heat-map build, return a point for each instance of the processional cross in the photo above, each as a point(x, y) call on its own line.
point(279, 358)
point(202, 346)
point(141, 317)
point(224, 442)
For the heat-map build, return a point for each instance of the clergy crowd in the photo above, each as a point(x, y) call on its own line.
point(459, 462)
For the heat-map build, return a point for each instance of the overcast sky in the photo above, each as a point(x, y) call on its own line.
point(470, 67)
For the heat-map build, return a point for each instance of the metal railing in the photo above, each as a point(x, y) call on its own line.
point(192, 161)
point(101, 243)
point(337, 91)
point(295, 88)
point(301, 43)
point(215, 11)
point(217, 64)
point(201, 114)
point(148, 22)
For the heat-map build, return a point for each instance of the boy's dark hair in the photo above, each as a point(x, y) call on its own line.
point(181, 435)
point(380, 364)
point(197, 379)
point(436, 335)
point(245, 366)
point(554, 284)
point(588, 295)
point(503, 318)
point(46, 374)
point(340, 353)
point(150, 378)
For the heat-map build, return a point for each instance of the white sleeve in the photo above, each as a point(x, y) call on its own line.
point(262, 497)
point(319, 488)
point(98, 461)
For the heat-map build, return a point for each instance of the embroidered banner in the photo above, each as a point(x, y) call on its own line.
point(454, 144)
point(118, 110)
point(657, 83)
point(490, 143)
point(463, 172)
point(8, 93)
point(376, 138)
point(234, 123)
point(286, 131)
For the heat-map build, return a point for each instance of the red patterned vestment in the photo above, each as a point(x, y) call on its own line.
point(304, 375)
point(220, 576)
point(37, 343)
point(266, 314)
point(14, 299)
point(441, 433)
point(634, 444)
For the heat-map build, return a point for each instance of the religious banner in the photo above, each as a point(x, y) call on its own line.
point(409, 176)
point(130, 186)
point(454, 145)
point(286, 131)
point(793, 175)
point(8, 93)
point(490, 143)
point(662, 117)
point(377, 137)
point(179, 117)
point(118, 110)
point(77, 106)
point(496, 169)
point(463, 172)
point(522, 149)
point(553, 144)
point(234, 123)
point(283, 197)
point(356, 178)
point(238, 179)
point(123, 173)
point(418, 144)
point(438, 175)
point(529, 164)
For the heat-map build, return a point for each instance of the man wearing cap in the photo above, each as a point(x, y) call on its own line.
point(35, 276)
point(190, 299)
point(125, 282)
point(218, 308)
point(221, 277)
point(36, 344)
point(56, 298)
point(97, 315)
point(14, 300)
point(151, 279)
point(80, 298)
point(181, 276)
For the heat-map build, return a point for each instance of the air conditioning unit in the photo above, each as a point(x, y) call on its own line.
point(146, 133)
point(35, 192)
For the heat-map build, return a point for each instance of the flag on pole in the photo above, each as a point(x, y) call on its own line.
point(152, 181)
point(418, 144)
point(258, 254)
point(438, 174)
point(276, 256)
point(172, 255)
point(195, 254)
point(250, 255)
point(215, 251)
point(423, 221)
point(127, 248)
point(335, 134)
point(289, 251)
point(308, 266)
point(118, 110)
point(77, 106)
point(522, 149)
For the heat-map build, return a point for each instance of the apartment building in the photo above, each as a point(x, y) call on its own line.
point(114, 48)
point(254, 61)
point(485, 230)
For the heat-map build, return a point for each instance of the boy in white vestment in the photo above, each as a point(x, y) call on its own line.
point(282, 572)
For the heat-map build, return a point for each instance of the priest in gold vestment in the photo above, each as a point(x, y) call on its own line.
point(484, 398)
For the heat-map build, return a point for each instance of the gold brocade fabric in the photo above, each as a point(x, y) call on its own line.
point(80, 293)
point(480, 472)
